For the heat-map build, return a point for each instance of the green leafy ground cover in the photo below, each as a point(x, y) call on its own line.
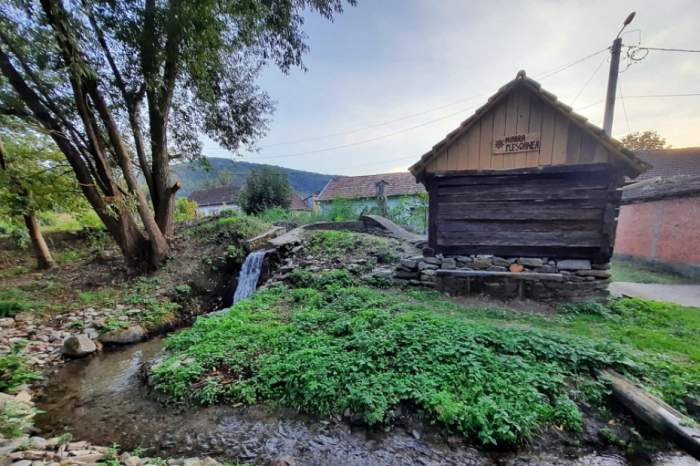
point(495, 375)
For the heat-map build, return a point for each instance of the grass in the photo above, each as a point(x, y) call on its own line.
point(494, 376)
point(339, 244)
point(625, 271)
point(14, 300)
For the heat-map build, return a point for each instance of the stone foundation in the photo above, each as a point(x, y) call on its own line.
point(540, 279)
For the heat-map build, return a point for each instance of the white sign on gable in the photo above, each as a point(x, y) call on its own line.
point(526, 142)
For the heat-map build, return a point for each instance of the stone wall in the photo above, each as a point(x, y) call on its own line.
point(541, 279)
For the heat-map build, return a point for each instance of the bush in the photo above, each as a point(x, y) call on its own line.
point(185, 210)
point(341, 210)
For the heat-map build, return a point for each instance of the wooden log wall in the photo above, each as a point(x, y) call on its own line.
point(556, 212)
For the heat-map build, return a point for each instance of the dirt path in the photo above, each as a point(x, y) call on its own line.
point(685, 295)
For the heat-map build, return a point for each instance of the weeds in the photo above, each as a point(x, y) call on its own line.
point(15, 417)
point(14, 371)
point(336, 349)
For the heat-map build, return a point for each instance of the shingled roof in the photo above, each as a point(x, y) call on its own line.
point(635, 165)
point(357, 187)
point(297, 202)
point(661, 188)
point(670, 162)
point(216, 196)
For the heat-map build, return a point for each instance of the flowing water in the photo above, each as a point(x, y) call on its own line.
point(249, 275)
point(103, 400)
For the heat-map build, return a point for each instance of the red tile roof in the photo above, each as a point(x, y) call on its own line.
point(297, 202)
point(670, 162)
point(356, 187)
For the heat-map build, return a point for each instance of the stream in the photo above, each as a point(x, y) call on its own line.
point(102, 399)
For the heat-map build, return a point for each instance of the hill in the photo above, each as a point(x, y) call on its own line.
point(193, 175)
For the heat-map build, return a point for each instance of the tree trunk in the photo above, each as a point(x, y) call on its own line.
point(43, 255)
point(111, 207)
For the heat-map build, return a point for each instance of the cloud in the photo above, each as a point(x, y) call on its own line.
point(385, 60)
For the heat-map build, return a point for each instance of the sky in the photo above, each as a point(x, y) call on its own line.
point(388, 79)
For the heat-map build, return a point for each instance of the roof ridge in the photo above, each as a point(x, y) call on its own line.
point(522, 79)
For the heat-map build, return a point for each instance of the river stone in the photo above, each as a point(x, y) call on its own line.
point(22, 463)
point(409, 264)
point(574, 264)
point(123, 336)
point(531, 261)
point(24, 317)
point(78, 345)
point(426, 265)
point(449, 263)
point(594, 273)
point(7, 322)
point(38, 443)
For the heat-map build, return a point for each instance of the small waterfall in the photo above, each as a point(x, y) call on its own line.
point(249, 275)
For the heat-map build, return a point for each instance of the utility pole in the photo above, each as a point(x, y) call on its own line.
point(612, 78)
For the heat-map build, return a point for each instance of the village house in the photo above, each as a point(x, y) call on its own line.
point(211, 201)
point(298, 203)
point(526, 191)
point(659, 221)
point(397, 195)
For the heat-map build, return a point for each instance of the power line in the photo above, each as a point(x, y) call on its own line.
point(371, 126)
point(664, 49)
point(406, 117)
point(645, 96)
point(410, 157)
point(624, 107)
point(650, 96)
point(589, 81)
point(569, 65)
point(365, 141)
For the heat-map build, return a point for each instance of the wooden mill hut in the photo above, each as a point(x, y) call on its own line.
point(525, 177)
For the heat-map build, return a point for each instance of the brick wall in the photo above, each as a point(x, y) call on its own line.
point(665, 232)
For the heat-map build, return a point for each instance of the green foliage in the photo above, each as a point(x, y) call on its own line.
point(235, 253)
point(36, 177)
point(279, 214)
point(644, 140)
point(14, 300)
point(341, 210)
point(336, 349)
point(14, 370)
point(265, 187)
point(242, 226)
point(185, 210)
point(304, 278)
point(15, 418)
point(157, 310)
point(411, 212)
point(183, 289)
point(339, 244)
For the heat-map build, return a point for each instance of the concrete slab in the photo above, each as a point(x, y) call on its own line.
point(685, 295)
